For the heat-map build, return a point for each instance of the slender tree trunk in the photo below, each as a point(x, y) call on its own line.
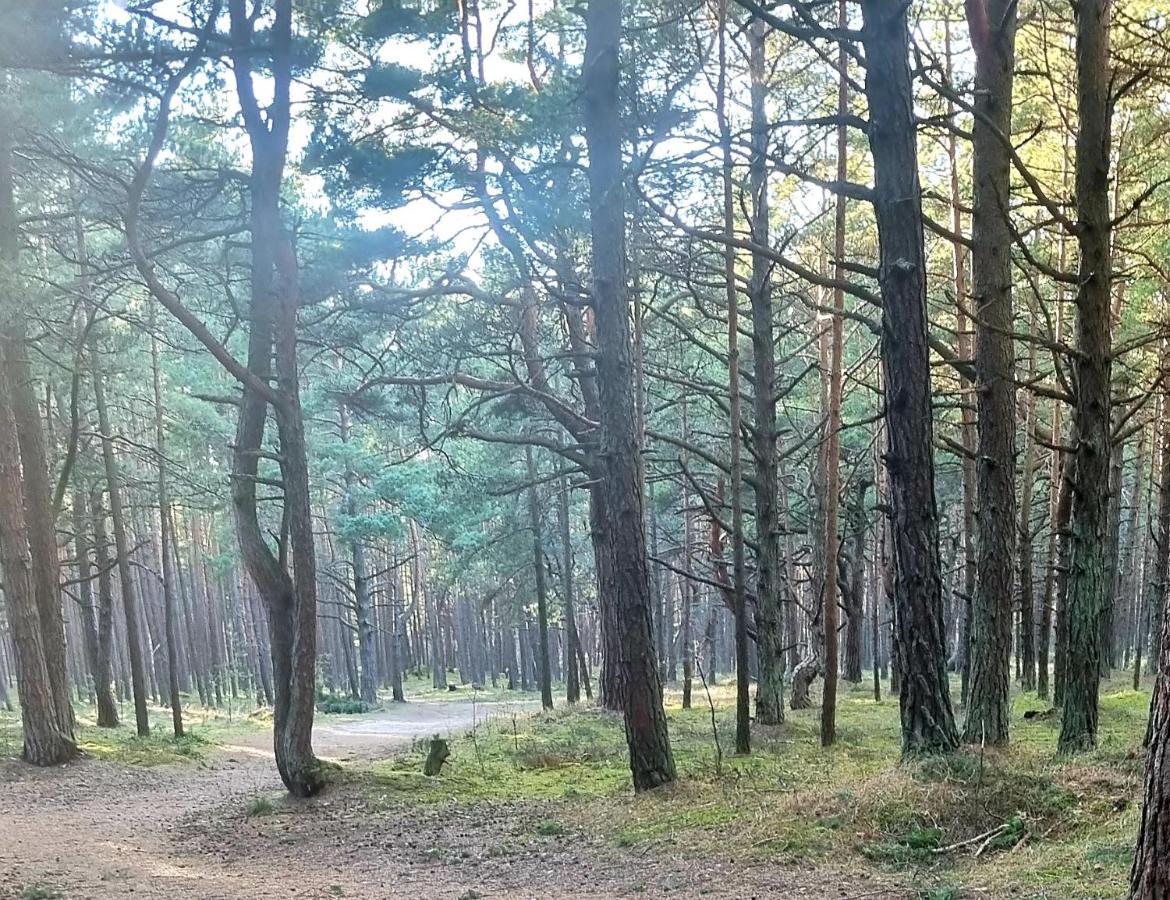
point(165, 537)
point(769, 596)
point(687, 638)
point(992, 25)
point(367, 636)
point(1024, 556)
point(1087, 587)
point(851, 575)
point(545, 671)
point(743, 741)
point(1156, 587)
point(625, 610)
point(572, 639)
point(831, 536)
point(95, 613)
point(963, 339)
point(927, 718)
point(122, 546)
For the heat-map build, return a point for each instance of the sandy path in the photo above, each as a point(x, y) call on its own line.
point(96, 830)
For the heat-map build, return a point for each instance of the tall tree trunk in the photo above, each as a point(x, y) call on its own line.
point(1087, 586)
point(625, 610)
point(743, 741)
point(165, 538)
point(572, 639)
point(95, 614)
point(928, 723)
point(107, 709)
point(964, 344)
point(46, 742)
point(367, 636)
point(1024, 560)
point(851, 575)
point(831, 536)
point(122, 547)
point(992, 25)
point(769, 597)
point(290, 598)
point(1156, 587)
point(544, 669)
point(687, 637)
point(38, 516)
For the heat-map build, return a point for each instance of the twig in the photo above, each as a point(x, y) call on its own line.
point(986, 837)
point(714, 726)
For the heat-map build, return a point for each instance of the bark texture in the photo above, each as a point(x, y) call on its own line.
point(928, 723)
point(629, 641)
point(992, 25)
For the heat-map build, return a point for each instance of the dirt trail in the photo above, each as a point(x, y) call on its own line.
point(96, 830)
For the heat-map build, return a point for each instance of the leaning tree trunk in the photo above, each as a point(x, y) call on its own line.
point(1087, 583)
point(992, 24)
point(625, 610)
point(928, 723)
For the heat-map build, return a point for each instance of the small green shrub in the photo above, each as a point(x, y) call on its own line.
point(550, 828)
point(40, 892)
point(260, 807)
point(342, 706)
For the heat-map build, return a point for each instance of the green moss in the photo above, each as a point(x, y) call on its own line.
point(205, 729)
point(1064, 826)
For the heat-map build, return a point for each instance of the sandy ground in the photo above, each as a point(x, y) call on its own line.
point(99, 830)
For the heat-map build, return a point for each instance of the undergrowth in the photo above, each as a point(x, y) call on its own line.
point(1021, 820)
point(204, 729)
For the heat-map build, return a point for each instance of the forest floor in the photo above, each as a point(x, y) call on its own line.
point(537, 805)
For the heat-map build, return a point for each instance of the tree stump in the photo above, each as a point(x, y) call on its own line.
point(436, 757)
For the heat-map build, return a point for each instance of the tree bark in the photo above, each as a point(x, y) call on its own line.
point(743, 741)
point(1087, 587)
point(1024, 555)
point(928, 723)
point(38, 515)
point(544, 669)
point(46, 742)
point(122, 547)
point(165, 539)
point(625, 610)
point(992, 25)
point(572, 638)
